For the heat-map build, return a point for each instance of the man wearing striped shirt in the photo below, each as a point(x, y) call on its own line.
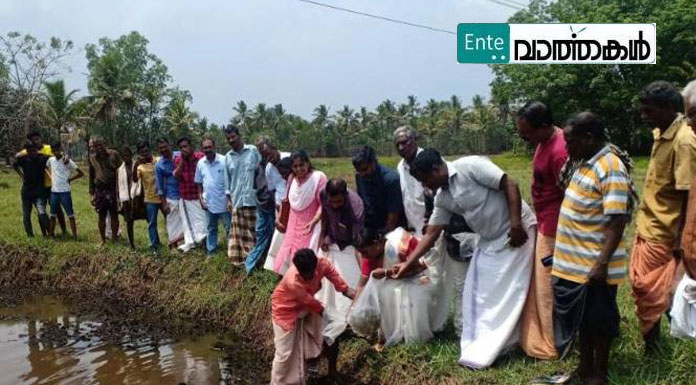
point(590, 259)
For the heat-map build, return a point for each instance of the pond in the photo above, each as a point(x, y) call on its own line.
point(43, 342)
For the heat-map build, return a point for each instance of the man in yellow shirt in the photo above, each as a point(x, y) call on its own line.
point(45, 149)
point(145, 172)
point(657, 251)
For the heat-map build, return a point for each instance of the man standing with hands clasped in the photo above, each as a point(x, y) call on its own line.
point(241, 164)
point(589, 260)
point(192, 213)
point(210, 179)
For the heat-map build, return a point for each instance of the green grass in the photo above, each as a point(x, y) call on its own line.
point(214, 291)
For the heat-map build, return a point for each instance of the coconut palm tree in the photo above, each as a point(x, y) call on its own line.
point(242, 116)
point(178, 120)
point(59, 106)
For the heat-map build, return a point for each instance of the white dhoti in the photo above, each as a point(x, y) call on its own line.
point(441, 280)
point(173, 220)
point(336, 305)
point(194, 223)
point(494, 295)
point(293, 348)
point(683, 313)
point(404, 310)
point(273, 250)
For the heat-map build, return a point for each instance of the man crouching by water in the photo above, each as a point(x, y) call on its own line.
point(297, 316)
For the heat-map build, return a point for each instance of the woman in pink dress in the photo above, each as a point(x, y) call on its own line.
point(305, 210)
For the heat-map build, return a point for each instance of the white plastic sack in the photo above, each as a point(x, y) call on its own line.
point(364, 318)
point(336, 305)
point(405, 310)
point(684, 309)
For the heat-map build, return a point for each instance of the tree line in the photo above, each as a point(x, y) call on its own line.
point(132, 96)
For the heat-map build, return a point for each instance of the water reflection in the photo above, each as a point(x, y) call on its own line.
point(41, 342)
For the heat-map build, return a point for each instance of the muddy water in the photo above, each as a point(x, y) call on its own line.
point(43, 342)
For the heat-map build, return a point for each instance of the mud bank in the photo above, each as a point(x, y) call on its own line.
point(45, 339)
point(164, 297)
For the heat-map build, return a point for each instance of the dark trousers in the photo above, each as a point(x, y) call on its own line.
point(28, 204)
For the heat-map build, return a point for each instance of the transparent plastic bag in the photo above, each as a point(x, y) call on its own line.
point(683, 324)
point(365, 318)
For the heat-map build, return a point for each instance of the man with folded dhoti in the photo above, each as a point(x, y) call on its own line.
point(501, 268)
point(535, 126)
point(662, 211)
point(446, 273)
point(589, 260)
point(241, 164)
point(193, 216)
point(168, 192)
point(342, 219)
point(297, 315)
point(683, 311)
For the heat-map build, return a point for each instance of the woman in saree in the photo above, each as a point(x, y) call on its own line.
point(403, 303)
point(304, 188)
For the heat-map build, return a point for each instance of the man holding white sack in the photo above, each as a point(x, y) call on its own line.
point(500, 271)
point(343, 216)
point(446, 274)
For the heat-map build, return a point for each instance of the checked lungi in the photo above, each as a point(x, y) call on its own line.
point(242, 234)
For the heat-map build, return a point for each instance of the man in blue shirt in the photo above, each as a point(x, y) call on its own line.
point(380, 190)
point(210, 179)
point(241, 163)
point(167, 188)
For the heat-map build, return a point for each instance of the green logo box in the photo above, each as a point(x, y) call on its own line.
point(483, 43)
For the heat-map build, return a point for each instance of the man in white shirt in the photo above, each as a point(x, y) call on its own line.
point(446, 273)
point(501, 268)
point(61, 177)
point(275, 180)
point(272, 157)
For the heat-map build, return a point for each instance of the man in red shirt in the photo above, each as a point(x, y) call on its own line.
point(193, 217)
point(535, 126)
point(297, 316)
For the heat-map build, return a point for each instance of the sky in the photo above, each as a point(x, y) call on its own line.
point(277, 51)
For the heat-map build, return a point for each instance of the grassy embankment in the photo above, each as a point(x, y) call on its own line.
point(214, 292)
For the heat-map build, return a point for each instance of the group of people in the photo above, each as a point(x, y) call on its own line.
point(393, 255)
point(391, 258)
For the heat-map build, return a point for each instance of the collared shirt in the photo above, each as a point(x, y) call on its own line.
point(211, 175)
point(412, 192)
point(381, 194)
point(33, 169)
point(474, 193)
point(547, 195)
point(187, 185)
point(240, 169)
point(275, 181)
point(599, 188)
point(689, 234)
point(293, 295)
point(102, 169)
point(146, 176)
point(346, 222)
point(167, 184)
point(60, 174)
point(672, 165)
